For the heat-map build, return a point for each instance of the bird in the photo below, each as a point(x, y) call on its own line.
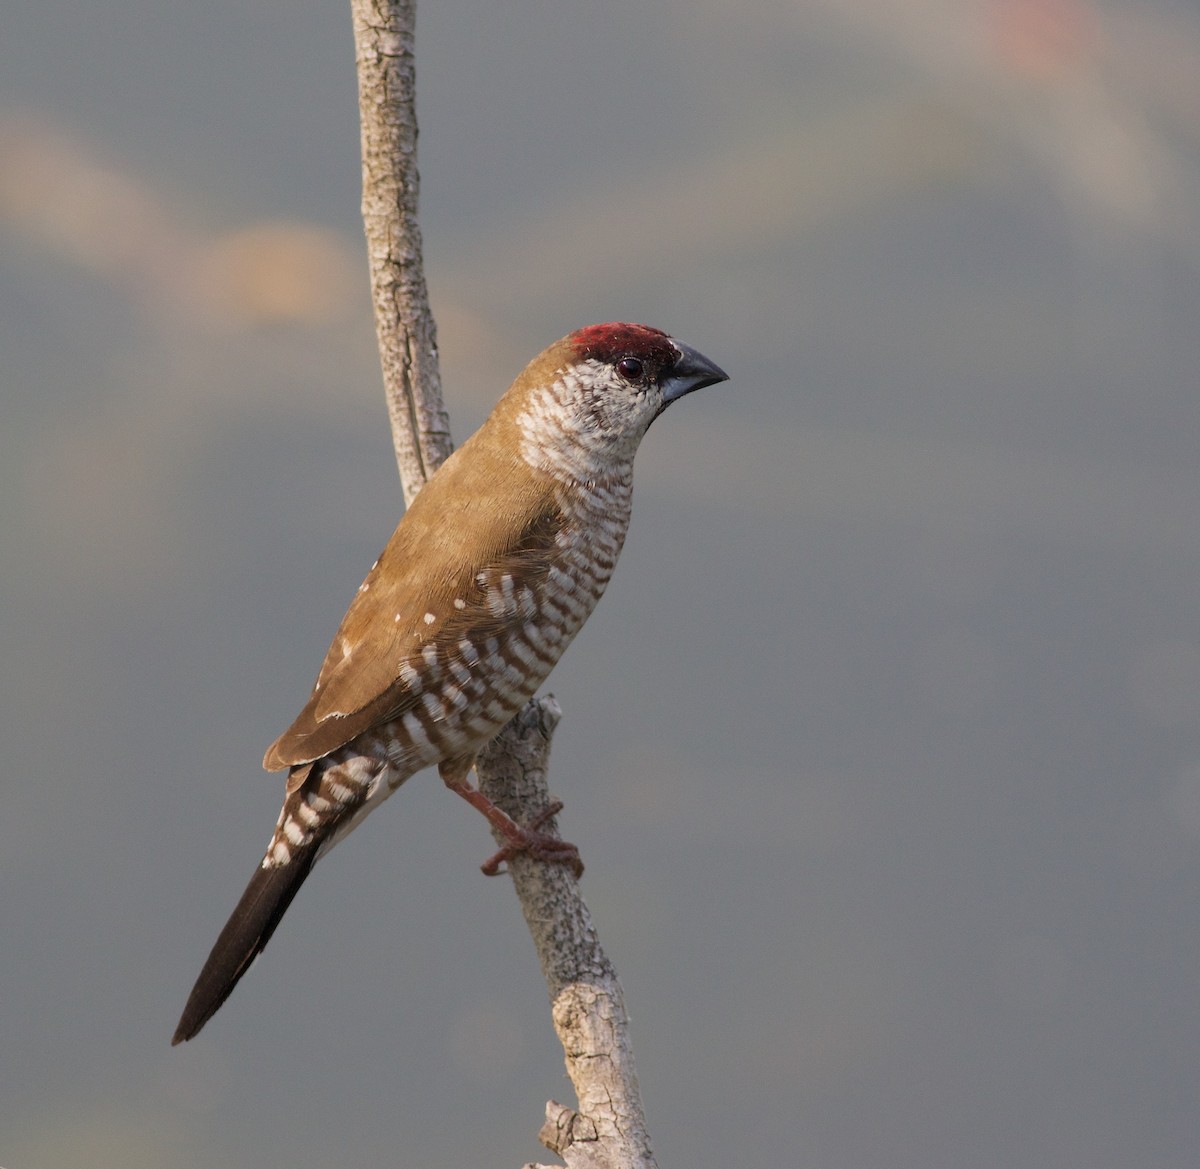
point(492, 570)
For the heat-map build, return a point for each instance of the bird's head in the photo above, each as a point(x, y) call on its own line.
point(588, 400)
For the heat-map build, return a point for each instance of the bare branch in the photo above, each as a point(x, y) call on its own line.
point(609, 1130)
point(383, 40)
point(588, 1007)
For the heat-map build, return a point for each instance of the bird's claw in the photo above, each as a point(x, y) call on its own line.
point(539, 845)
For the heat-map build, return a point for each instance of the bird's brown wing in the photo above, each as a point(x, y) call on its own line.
point(425, 588)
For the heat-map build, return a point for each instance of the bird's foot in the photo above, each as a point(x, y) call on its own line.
point(539, 845)
point(521, 838)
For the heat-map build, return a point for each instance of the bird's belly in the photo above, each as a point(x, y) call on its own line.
point(471, 688)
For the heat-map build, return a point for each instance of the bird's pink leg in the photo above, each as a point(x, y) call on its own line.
point(521, 838)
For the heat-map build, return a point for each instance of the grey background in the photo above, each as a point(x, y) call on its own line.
point(897, 843)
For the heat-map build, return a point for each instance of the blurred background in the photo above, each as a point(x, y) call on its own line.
point(883, 750)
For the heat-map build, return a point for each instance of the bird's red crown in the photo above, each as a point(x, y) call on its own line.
point(617, 339)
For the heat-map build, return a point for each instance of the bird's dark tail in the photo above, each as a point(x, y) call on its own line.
point(247, 931)
point(324, 801)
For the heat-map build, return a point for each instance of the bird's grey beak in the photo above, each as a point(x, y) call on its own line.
point(693, 371)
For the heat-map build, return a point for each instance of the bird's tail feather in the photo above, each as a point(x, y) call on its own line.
point(324, 801)
point(245, 935)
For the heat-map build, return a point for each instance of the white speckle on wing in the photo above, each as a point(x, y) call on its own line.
point(498, 604)
point(528, 602)
point(339, 791)
point(521, 651)
point(414, 730)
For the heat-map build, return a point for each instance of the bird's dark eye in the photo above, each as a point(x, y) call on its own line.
point(630, 368)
